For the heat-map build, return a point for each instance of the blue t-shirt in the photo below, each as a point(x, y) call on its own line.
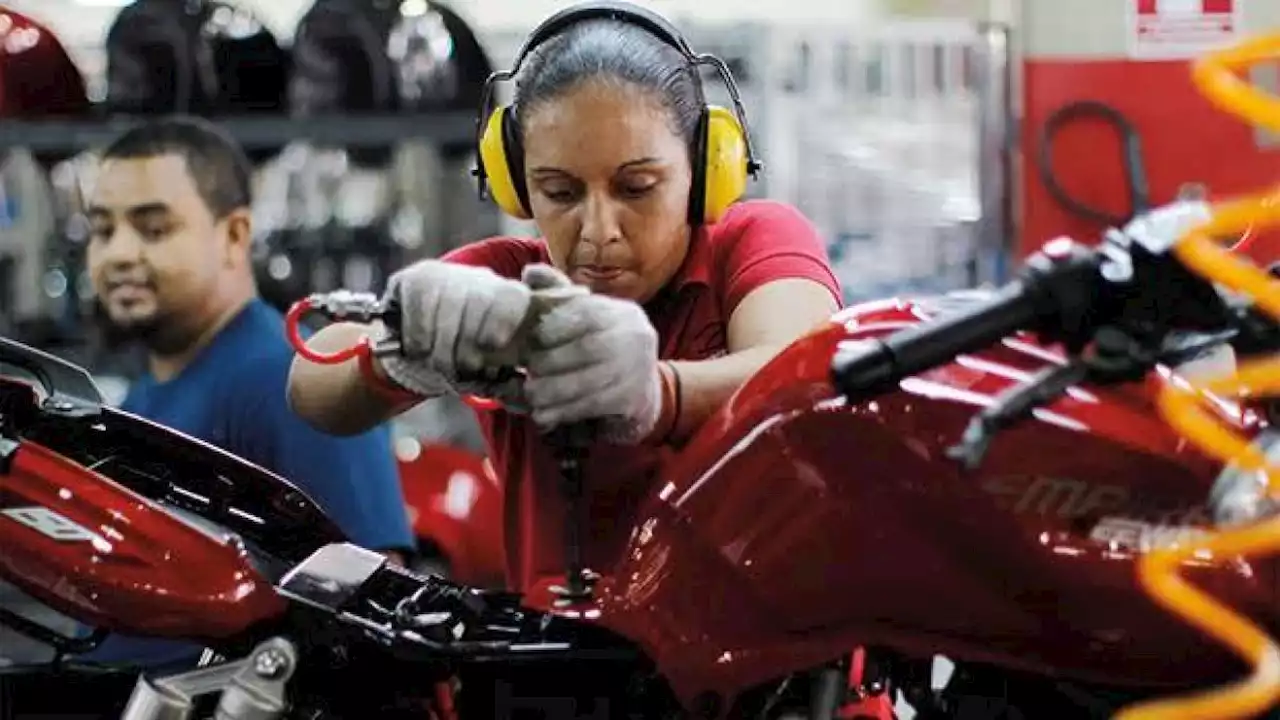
point(234, 395)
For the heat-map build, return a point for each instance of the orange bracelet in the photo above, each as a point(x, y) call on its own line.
point(382, 385)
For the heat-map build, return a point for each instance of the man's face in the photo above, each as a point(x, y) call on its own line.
point(155, 250)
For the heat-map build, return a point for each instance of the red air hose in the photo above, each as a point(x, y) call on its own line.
point(362, 351)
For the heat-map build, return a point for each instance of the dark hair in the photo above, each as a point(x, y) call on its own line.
point(222, 173)
point(615, 49)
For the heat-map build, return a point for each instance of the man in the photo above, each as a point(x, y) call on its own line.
point(169, 257)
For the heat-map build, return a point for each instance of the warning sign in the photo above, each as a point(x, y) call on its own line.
point(1180, 29)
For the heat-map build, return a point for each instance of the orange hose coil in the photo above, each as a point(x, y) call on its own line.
point(1218, 77)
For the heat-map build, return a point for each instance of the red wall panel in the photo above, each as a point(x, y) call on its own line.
point(1184, 139)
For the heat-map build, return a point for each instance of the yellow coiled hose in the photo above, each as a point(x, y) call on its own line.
point(1218, 77)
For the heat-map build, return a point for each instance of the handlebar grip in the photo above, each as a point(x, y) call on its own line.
point(1057, 291)
point(864, 369)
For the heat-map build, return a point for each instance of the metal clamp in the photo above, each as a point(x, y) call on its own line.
point(348, 306)
point(361, 307)
point(252, 689)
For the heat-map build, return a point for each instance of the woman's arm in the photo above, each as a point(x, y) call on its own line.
point(337, 399)
point(767, 320)
point(773, 275)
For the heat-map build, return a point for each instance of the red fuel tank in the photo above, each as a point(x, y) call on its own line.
point(797, 525)
point(134, 527)
point(93, 549)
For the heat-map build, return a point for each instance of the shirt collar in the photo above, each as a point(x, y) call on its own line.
point(694, 272)
point(225, 344)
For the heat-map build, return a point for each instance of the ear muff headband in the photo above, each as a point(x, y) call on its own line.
point(722, 155)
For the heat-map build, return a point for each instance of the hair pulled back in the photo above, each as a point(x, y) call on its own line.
point(611, 50)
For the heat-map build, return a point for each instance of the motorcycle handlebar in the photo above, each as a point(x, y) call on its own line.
point(1053, 295)
point(878, 365)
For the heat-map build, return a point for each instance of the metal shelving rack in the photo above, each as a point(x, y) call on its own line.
point(254, 132)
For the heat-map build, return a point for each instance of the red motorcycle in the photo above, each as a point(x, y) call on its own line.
point(454, 501)
point(846, 497)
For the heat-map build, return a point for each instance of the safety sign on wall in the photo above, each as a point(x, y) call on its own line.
point(1180, 29)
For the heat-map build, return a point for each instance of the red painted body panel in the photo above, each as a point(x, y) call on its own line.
point(116, 559)
point(454, 502)
point(796, 526)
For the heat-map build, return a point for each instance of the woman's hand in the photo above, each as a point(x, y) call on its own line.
point(593, 357)
point(452, 316)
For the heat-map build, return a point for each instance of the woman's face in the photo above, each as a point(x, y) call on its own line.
point(608, 182)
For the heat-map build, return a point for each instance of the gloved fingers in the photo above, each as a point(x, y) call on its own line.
point(590, 407)
point(580, 353)
point(395, 288)
point(468, 355)
point(570, 321)
point(416, 375)
point(541, 276)
point(622, 431)
point(419, 298)
point(598, 384)
point(453, 299)
point(507, 304)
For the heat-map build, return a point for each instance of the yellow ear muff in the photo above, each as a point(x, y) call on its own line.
point(493, 154)
point(726, 158)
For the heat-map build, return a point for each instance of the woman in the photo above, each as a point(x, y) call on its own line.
point(603, 146)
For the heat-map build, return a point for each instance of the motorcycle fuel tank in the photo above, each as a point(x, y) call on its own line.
point(96, 550)
point(797, 525)
point(131, 526)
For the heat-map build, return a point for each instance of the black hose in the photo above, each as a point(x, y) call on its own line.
point(1131, 160)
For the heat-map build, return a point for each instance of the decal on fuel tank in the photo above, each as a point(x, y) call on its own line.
point(1136, 536)
point(1065, 498)
point(1120, 522)
point(50, 524)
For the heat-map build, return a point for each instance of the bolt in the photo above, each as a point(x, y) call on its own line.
point(270, 663)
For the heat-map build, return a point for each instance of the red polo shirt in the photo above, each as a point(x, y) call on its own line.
point(755, 243)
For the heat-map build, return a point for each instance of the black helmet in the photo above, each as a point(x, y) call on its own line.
point(201, 57)
point(380, 56)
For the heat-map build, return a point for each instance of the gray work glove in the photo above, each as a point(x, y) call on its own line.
point(593, 357)
point(451, 316)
